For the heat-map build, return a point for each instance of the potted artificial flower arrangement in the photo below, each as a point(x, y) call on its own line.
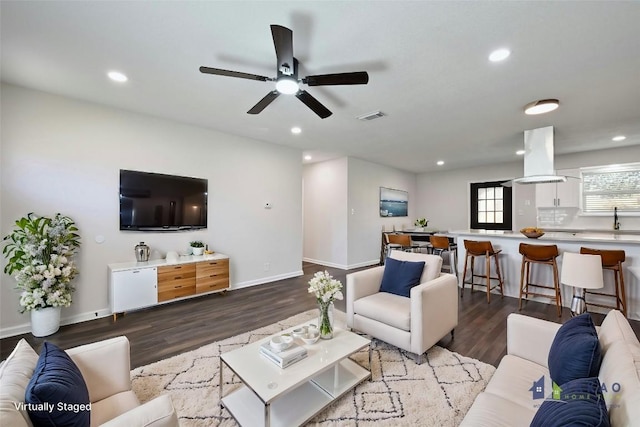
point(39, 254)
point(326, 289)
point(197, 247)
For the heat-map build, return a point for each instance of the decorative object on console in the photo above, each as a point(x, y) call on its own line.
point(326, 289)
point(40, 252)
point(582, 271)
point(532, 232)
point(197, 247)
point(142, 252)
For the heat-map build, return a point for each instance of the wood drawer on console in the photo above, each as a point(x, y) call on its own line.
point(212, 284)
point(216, 267)
point(176, 292)
point(171, 273)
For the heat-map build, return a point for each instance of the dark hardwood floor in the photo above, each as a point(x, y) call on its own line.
point(170, 329)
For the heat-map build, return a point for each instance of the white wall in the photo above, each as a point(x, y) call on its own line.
point(325, 213)
point(64, 155)
point(365, 224)
point(342, 223)
point(444, 196)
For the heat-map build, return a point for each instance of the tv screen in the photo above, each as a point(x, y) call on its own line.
point(156, 202)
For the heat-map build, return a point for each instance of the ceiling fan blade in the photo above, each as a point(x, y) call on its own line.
point(314, 104)
point(262, 104)
point(221, 72)
point(356, 78)
point(283, 42)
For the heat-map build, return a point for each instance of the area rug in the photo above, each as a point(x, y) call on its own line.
point(439, 392)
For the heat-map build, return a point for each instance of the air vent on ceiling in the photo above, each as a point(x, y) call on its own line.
point(371, 116)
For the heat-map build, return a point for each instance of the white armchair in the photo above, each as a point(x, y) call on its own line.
point(413, 324)
point(105, 368)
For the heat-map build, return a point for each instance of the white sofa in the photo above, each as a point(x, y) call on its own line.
point(508, 398)
point(105, 367)
point(413, 324)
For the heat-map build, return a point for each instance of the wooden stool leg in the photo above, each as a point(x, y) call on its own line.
point(623, 295)
point(487, 263)
point(522, 271)
point(556, 284)
point(464, 274)
point(499, 275)
point(473, 271)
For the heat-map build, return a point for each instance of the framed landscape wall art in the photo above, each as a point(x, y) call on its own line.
point(393, 202)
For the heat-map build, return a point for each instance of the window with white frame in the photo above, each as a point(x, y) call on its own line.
point(609, 187)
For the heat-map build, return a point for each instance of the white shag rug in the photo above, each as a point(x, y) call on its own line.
point(439, 392)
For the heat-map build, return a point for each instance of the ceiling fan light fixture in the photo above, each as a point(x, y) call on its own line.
point(287, 85)
point(542, 106)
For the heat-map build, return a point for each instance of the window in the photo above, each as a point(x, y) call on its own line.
point(490, 206)
point(604, 188)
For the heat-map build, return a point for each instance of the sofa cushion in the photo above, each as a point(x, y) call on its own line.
point(495, 411)
point(390, 309)
point(580, 403)
point(400, 276)
point(15, 373)
point(432, 263)
point(575, 351)
point(515, 380)
point(621, 383)
point(57, 391)
point(615, 327)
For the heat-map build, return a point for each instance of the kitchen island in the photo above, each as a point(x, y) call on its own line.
point(510, 261)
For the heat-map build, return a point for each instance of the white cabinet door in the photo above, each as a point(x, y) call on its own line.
point(546, 195)
point(132, 289)
point(568, 193)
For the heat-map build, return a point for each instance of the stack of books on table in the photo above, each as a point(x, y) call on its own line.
point(286, 357)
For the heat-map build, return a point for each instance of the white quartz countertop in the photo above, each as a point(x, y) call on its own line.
point(556, 236)
point(131, 265)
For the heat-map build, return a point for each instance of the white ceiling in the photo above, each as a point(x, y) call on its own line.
point(427, 64)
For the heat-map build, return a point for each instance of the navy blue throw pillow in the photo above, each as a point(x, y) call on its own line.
point(575, 351)
point(400, 276)
point(57, 394)
point(579, 403)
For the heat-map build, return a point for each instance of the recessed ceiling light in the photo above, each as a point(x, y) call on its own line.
point(307, 157)
point(499, 55)
point(117, 76)
point(619, 138)
point(296, 130)
point(440, 162)
point(542, 106)
point(520, 152)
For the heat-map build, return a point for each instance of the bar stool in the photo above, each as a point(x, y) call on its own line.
point(611, 260)
point(539, 254)
point(481, 249)
point(440, 244)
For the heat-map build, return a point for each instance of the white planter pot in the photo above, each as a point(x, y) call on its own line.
point(197, 251)
point(45, 321)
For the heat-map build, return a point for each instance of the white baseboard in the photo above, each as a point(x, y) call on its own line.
point(264, 280)
point(342, 266)
point(25, 328)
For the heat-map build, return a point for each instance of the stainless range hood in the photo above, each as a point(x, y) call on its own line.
point(538, 157)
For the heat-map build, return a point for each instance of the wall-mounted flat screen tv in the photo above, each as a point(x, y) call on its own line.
point(158, 202)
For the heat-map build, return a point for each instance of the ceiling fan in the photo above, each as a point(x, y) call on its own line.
point(287, 81)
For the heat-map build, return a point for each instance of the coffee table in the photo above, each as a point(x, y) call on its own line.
point(271, 396)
